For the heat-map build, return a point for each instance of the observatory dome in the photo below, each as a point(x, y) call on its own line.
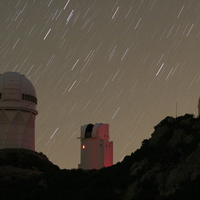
point(18, 103)
point(17, 91)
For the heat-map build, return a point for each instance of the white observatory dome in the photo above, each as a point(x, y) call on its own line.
point(17, 91)
point(18, 103)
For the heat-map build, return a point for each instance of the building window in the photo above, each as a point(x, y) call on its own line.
point(30, 98)
point(100, 145)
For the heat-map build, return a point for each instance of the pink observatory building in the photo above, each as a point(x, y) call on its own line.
point(17, 111)
point(96, 149)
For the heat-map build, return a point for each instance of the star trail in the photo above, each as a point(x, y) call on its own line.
point(123, 62)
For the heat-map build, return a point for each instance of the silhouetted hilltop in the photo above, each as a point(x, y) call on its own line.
point(30, 162)
point(167, 166)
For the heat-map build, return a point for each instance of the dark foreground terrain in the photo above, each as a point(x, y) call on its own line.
point(166, 167)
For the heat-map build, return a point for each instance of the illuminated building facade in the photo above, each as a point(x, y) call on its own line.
point(17, 111)
point(96, 149)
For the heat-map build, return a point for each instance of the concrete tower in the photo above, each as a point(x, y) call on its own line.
point(96, 150)
point(17, 111)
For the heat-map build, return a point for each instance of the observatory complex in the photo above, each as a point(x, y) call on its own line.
point(17, 111)
point(96, 149)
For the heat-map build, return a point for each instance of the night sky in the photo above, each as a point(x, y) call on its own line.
point(122, 62)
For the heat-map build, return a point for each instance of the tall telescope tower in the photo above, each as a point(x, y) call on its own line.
point(96, 149)
point(17, 111)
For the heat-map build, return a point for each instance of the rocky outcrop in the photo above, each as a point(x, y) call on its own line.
point(168, 161)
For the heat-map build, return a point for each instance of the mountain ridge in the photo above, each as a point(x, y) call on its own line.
point(167, 166)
